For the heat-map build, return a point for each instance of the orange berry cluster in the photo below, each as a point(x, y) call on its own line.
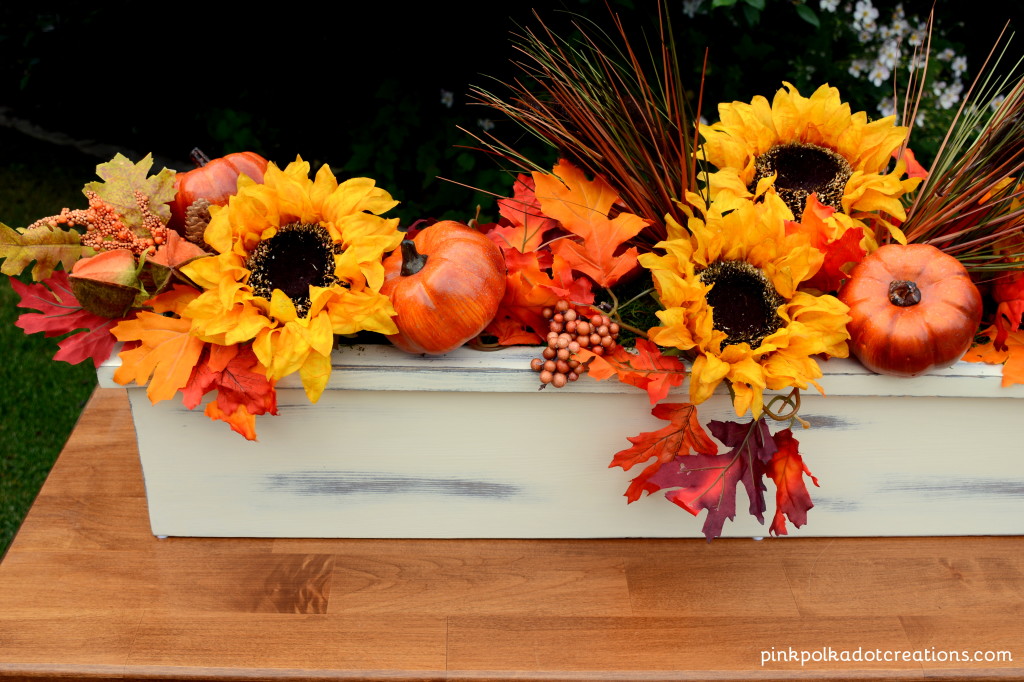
point(568, 332)
point(104, 229)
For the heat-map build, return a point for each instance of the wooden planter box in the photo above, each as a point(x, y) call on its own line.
point(464, 445)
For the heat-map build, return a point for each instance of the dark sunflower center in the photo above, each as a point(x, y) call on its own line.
point(744, 302)
point(804, 169)
point(297, 257)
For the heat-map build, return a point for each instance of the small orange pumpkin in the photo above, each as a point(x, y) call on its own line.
point(912, 307)
point(446, 285)
point(214, 181)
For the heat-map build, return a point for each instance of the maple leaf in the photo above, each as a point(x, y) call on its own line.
point(1009, 353)
point(582, 207)
point(122, 178)
point(59, 312)
point(647, 368)
point(47, 245)
point(527, 223)
point(787, 469)
point(841, 254)
point(682, 434)
point(166, 351)
point(709, 481)
point(243, 390)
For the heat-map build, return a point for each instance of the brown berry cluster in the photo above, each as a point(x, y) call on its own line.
point(568, 332)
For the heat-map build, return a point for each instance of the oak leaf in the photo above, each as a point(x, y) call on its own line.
point(47, 245)
point(59, 313)
point(787, 469)
point(121, 178)
point(166, 351)
point(709, 482)
point(682, 434)
point(647, 368)
point(582, 207)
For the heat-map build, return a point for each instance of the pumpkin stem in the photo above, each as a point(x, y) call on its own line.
point(412, 260)
point(904, 293)
point(199, 158)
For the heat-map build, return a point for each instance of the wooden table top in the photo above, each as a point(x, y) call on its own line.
point(87, 591)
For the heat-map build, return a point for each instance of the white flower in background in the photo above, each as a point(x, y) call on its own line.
point(858, 67)
point(916, 61)
point(946, 55)
point(889, 54)
point(917, 36)
point(939, 88)
point(919, 121)
point(447, 98)
point(864, 15)
point(951, 97)
point(879, 74)
point(485, 123)
point(959, 66)
point(692, 8)
point(828, 5)
point(887, 107)
point(900, 27)
point(996, 102)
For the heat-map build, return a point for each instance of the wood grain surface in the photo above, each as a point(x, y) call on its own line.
point(86, 591)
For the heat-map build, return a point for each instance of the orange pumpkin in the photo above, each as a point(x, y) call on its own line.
point(446, 285)
point(214, 181)
point(913, 308)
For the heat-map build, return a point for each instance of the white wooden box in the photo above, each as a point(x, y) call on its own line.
point(464, 445)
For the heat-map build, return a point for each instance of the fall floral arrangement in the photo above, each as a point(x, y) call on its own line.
point(738, 254)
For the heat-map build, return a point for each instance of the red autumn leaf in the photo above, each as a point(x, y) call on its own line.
point(841, 254)
point(683, 434)
point(243, 391)
point(647, 368)
point(528, 224)
point(528, 290)
point(60, 313)
point(787, 468)
point(582, 207)
point(710, 481)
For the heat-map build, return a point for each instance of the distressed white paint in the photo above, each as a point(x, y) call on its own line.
point(464, 445)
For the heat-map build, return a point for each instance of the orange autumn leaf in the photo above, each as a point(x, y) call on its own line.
point(787, 469)
point(1010, 356)
point(582, 207)
point(682, 434)
point(240, 420)
point(647, 369)
point(841, 253)
point(528, 224)
point(163, 352)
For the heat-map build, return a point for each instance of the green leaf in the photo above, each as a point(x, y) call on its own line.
point(48, 246)
point(722, 3)
point(122, 178)
point(756, 4)
point(752, 15)
point(808, 15)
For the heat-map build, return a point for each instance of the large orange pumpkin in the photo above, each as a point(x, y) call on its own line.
point(913, 308)
point(214, 181)
point(446, 285)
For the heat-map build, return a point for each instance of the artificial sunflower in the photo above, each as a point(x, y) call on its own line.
point(800, 146)
point(729, 284)
point(298, 261)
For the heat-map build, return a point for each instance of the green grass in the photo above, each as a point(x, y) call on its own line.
point(40, 399)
